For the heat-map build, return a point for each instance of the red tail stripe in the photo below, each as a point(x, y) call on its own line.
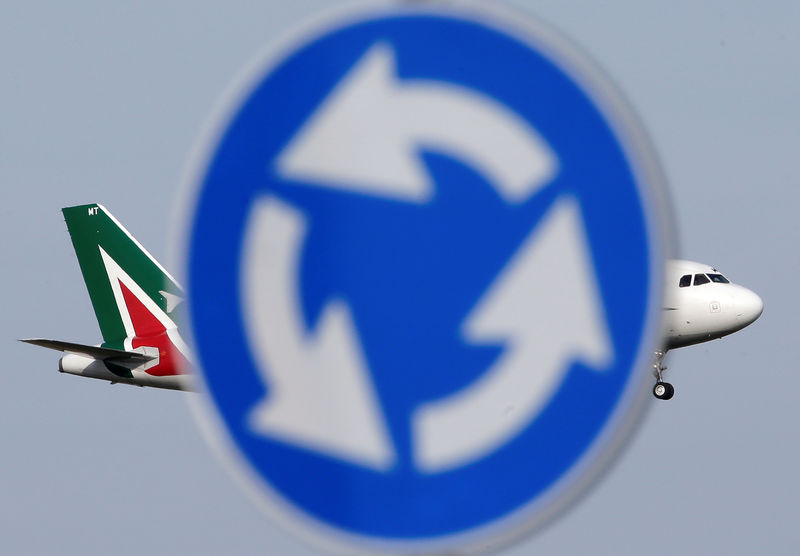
point(149, 331)
point(144, 322)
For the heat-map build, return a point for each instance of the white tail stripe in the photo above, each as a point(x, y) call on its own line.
point(139, 245)
point(116, 275)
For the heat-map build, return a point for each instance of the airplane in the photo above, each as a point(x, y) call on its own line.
point(700, 304)
point(135, 300)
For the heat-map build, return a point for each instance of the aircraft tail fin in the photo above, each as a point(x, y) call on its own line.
point(117, 269)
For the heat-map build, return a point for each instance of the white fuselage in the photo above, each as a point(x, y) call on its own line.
point(91, 367)
point(700, 304)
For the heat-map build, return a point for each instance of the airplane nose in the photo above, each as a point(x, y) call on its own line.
point(749, 306)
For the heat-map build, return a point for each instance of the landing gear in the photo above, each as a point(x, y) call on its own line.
point(662, 390)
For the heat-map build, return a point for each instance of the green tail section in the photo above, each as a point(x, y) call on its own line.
point(93, 231)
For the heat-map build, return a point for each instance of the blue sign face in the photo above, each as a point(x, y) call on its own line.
point(423, 273)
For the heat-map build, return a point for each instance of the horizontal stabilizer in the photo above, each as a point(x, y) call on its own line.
point(90, 351)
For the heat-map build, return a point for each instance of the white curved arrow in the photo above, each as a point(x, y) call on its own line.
point(366, 135)
point(320, 396)
point(545, 307)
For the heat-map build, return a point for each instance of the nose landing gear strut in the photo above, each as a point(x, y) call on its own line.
point(662, 390)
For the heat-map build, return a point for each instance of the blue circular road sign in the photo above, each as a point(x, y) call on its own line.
point(424, 270)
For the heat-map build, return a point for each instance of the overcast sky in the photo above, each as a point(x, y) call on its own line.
point(101, 103)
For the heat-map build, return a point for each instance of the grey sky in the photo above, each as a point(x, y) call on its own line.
point(104, 103)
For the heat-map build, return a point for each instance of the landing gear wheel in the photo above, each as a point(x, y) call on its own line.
point(663, 390)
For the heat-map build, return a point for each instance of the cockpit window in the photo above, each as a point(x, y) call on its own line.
point(686, 280)
point(700, 279)
point(719, 279)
